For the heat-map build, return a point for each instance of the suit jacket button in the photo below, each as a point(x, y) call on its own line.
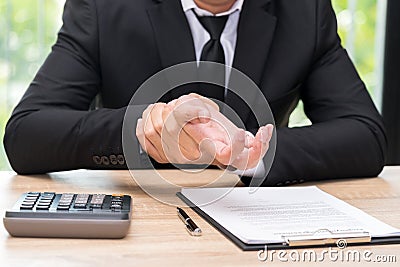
point(113, 160)
point(105, 160)
point(301, 181)
point(294, 182)
point(121, 159)
point(287, 183)
point(97, 160)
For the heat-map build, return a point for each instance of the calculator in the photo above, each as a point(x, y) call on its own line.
point(69, 215)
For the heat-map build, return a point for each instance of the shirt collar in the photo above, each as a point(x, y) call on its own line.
point(187, 5)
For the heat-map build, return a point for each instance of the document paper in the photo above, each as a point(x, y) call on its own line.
point(269, 214)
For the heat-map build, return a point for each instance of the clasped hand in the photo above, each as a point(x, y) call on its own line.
point(192, 130)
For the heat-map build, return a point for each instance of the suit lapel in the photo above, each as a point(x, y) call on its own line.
point(254, 38)
point(174, 41)
point(172, 33)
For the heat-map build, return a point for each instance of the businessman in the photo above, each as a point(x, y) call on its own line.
point(290, 49)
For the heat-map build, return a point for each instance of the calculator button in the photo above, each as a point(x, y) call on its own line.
point(82, 198)
point(80, 205)
point(81, 201)
point(28, 203)
point(115, 206)
point(47, 197)
point(67, 197)
point(44, 207)
point(63, 208)
point(33, 194)
point(29, 200)
point(45, 201)
point(26, 207)
point(62, 203)
point(97, 201)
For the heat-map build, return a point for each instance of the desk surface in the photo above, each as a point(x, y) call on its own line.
point(146, 245)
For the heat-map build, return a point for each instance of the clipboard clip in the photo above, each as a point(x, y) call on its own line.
point(328, 237)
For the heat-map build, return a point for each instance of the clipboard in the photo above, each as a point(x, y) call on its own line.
point(298, 241)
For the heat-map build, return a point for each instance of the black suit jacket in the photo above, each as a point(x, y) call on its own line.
point(290, 49)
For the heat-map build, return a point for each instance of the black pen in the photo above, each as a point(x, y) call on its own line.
point(191, 227)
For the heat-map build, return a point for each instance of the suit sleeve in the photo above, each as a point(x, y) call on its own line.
point(52, 129)
point(347, 136)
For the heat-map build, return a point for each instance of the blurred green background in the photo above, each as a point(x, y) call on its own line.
point(28, 29)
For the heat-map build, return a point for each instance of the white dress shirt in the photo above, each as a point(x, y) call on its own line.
point(228, 41)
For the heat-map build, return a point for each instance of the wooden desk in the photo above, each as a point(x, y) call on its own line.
point(157, 237)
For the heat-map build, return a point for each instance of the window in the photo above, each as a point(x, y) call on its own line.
point(28, 29)
point(361, 26)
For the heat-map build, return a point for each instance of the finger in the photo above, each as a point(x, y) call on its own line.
point(150, 132)
point(157, 117)
point(146, 144)
point(249, 140)
point(270, 128)
point(185, 148)
point(250, 157)
point(227, 153)
point(266, 138)
point(189, 147)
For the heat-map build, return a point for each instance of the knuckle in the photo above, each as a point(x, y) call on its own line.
point(150, 133)
point(158, 127)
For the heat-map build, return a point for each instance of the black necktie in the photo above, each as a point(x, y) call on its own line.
point(214, 52)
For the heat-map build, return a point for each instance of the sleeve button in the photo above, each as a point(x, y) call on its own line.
point(97, 160)
point(121, 159)
point(113, 160)
point(105, 160)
